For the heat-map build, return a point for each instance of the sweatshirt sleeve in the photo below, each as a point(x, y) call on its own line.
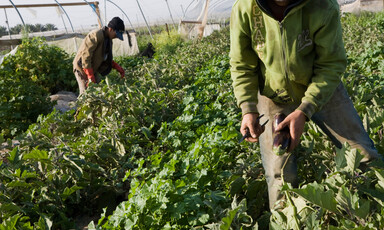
point(243, 59)
point(329, 65)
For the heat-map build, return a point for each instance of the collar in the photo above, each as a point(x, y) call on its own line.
point(263, 4)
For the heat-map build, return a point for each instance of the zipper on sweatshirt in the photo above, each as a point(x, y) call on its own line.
point(285, 63)
point(283, 49)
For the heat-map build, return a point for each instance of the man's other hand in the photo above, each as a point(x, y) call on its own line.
point(296, 123)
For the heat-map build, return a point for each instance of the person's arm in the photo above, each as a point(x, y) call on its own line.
point(90, 75)
point(329, 65)
point(118, 68)
point(244, 62)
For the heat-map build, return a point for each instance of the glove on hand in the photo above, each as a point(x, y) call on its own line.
point(118, 68)
point(90, 75)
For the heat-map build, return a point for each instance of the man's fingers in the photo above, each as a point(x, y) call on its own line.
point(294, 143)
point(244, 130)
point(252, 132)
point(295, 139)
point(250, 139)
point(250, 124)
point(281, 125)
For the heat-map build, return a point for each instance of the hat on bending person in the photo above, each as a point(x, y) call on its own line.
point(118, 25)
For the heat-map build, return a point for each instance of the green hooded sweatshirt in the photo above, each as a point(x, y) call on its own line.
point(298, 60)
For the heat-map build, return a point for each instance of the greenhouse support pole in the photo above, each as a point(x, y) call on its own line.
point(105, 12)
point(149, 30)
point(22, 20)
point(182, 9)
point(187, 9)
point(9, 30)
point(65, 26)
point(6, 21)
point(170, 14)
point(204, 21)
point(65, 14)
point(123, 13)
point(95, 8)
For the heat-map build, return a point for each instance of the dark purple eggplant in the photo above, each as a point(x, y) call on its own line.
point(282, 138)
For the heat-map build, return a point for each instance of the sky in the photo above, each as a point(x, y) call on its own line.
point(80, 17)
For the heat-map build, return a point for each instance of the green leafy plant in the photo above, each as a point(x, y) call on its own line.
point(47, 66)
point(26, 79)
point(347, 198)
point(159, 150)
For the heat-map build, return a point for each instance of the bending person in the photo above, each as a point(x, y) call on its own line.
point(95, 54)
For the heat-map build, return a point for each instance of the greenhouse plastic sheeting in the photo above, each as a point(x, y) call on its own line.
point(82, 17)
point(217, 10)
point(120, 48)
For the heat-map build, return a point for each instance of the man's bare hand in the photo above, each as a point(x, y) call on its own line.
point(296, 123)
point(251, 123)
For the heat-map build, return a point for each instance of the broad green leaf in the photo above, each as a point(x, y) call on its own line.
point(44, 223)
point(340, 159)
point(347, 159)
point(74, 164)
point(10, 207)
point(364, 208)
point(380, 176)
point(315, 194)
point(204, 218)
point(36, 154)
point(235, 208)
point(353, 160)
point(130, 222)
point(217, 196)
point(91, 226)
point(376, 194)
point(311, 222)
point(345, 199)
point(14, 155)
point(28, 175)
point(10, 223)
point(227, 220)
point(68, 191)
point(237, 185)
point(278, 220)
point(351, 203)
point(120, 148)
point(347, 224)
point(18, 184)
point(146, 132)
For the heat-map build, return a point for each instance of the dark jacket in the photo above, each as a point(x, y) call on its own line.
point(95, 52)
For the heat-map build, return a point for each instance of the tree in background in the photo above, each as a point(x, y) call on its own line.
point(30, 28)
point(50, 27)
point(3, 31)
point(39, 28)
point(16, 29)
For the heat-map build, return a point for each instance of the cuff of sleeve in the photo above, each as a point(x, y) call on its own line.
point(307, 108)
point(248, 107)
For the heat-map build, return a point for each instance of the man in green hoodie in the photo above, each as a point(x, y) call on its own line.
point(287, 56)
